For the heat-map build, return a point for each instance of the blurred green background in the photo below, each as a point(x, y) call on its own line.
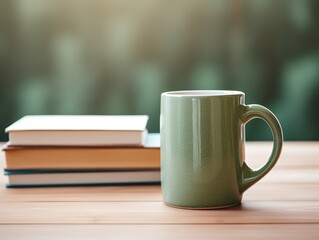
point(117, 56)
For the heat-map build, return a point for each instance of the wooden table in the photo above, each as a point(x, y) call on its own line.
point(283, 205)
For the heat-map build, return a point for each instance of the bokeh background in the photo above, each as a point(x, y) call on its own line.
point(117, 56)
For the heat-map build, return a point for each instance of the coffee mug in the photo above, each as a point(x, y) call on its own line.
point(202, 148)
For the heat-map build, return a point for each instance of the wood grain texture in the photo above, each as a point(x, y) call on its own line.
point(283, 205)
point(262, 191)
point(294, 154)
point(249, 212)
point(160, 232)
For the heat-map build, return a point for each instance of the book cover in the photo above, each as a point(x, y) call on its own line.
point(35, 178)
point(31, 157)
point(78, 130)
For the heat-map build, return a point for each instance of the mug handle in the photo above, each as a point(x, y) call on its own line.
point(247, 113)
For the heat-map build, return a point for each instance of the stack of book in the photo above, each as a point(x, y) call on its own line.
point(81, 150)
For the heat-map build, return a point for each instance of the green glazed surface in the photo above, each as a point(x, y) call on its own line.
point(202, 148)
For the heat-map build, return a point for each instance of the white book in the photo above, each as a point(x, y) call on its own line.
point(29, 179)
point(79, 130)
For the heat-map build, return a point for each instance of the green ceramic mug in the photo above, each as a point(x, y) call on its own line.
point(202, 147)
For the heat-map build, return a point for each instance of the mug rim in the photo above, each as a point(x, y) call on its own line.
point(203, 93)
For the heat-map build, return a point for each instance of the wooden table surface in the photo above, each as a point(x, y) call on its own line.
point(283, 205)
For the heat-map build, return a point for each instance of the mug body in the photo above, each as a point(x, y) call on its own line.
point(202, 148)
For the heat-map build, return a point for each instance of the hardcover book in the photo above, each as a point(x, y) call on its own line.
point(72, 178)
point(78, 130)
point(23, 158)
